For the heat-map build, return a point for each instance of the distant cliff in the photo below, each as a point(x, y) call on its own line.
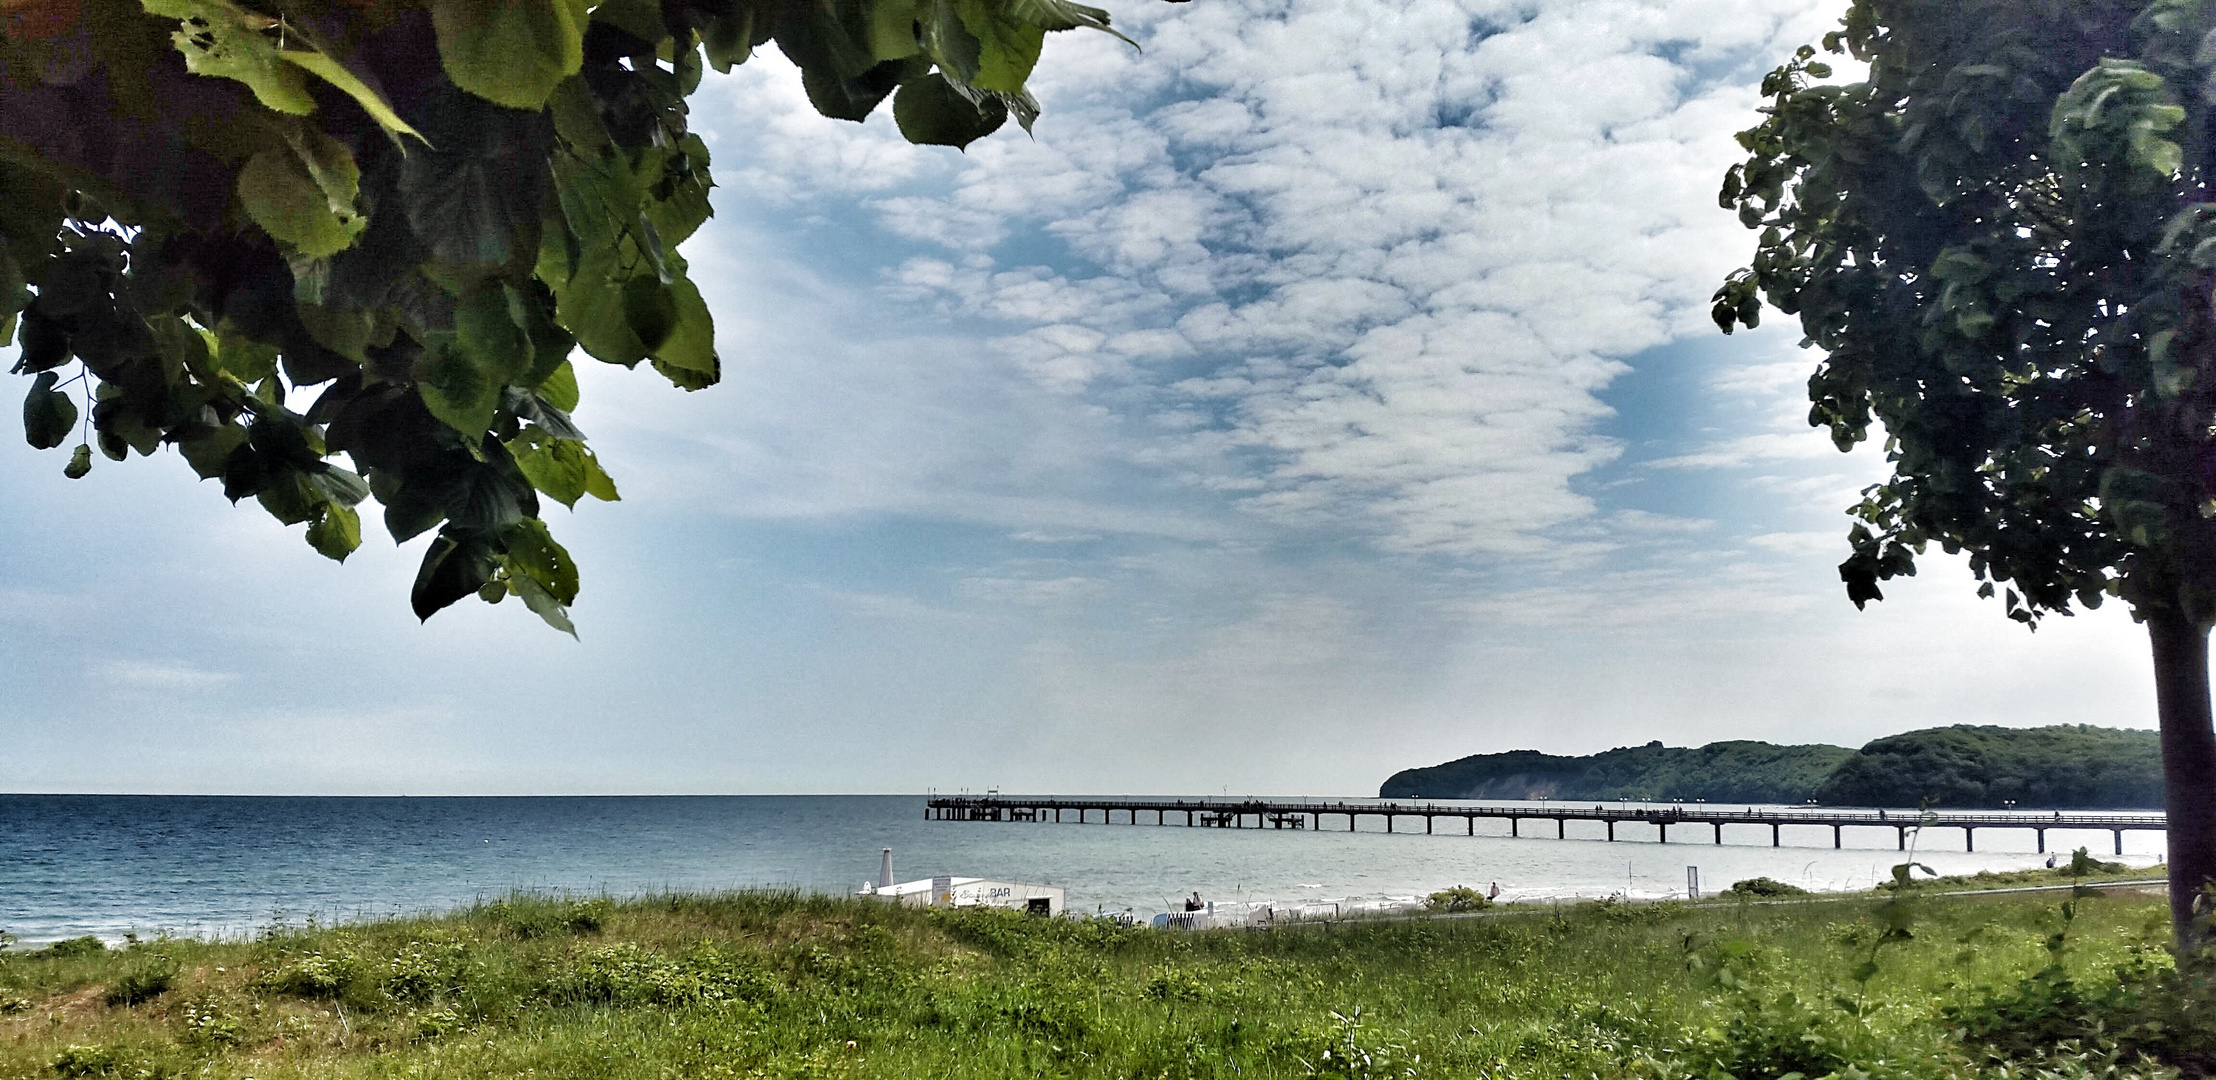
point(2063, 767)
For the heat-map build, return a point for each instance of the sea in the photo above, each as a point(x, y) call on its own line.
point(233, 866)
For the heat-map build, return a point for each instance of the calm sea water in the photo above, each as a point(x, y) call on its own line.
point(191, 865)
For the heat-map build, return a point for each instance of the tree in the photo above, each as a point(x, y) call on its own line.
point(420, 207)
point(2003, 241)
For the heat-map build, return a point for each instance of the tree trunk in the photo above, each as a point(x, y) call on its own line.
point(2188, 766)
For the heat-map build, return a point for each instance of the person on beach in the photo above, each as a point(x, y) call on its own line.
point(1194, 902)
point(1494, 892)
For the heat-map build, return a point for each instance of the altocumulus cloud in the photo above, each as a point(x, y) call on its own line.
point(1358, 266)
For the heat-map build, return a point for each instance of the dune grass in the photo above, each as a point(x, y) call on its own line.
point(782, 985)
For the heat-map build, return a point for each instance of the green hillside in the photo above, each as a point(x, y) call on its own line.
point(1737, 771)
point(2069, 766)
point(2064, 767)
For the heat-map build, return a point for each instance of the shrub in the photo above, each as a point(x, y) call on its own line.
point(321, 975)
point(529, 917)
point(103, 1061)
point(1460, 898)
point(626, 974)
point(1763, 886)
point(2083, 863)
point(75, 947)
point(143, 983)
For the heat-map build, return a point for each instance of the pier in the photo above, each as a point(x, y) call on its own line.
point(1310, 815)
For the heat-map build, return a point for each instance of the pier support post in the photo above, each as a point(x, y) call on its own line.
point(2042, 840)
point(1835, 842)
point(1611, 829)
point(1427, 824)
point(1561, 828)
point(1969, 838)
point(1904, 836)
point(2119, 841)
point(1188, 818)
point(1773, 834)
point(1663, 827)
point(1388, 823)
point(1719, 832)
point(1317, 823)
point(1515, 825)
point(1350, 821)
point(1469, 824)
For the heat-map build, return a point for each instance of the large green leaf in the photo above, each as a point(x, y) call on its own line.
point(929, 110)
point(459, 563)
point(283, 198)
point(510, 52)
point(224, 40)
point(557, 467)
point(337, 533)
point(49, 416)
point(690, 346)
point(1007, 47)
point(533, 552)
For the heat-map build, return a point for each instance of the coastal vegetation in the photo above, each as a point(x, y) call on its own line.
point(780, 985)
point(2065, 766)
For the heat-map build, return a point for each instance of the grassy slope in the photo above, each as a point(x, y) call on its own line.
point(765, 985)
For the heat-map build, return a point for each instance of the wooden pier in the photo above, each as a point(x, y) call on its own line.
point(1264, 814)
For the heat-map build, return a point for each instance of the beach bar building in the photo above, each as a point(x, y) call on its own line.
point(949, 891)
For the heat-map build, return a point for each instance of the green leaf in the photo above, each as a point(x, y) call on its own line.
point(331, 71)
point(930, 112)
point(533, 552)
point(459, 563)
point(210, 452)
point(49, 416)
point(650, 308)
point(591, 306)
point(510, 52)
point(1063, 15)
point(557, 467)
point(80, 462)
point(222, 40)
point(457, 388)
point(598, 483)
point(462, 380)
point(1007, 49)
point(543, 604)
point(337, 533)
point(691, 342)
point(560, 388)
point(284, 199)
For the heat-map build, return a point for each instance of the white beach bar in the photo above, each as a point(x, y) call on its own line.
point(949, 891)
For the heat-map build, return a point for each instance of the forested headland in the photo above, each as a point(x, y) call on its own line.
point(2066, 766)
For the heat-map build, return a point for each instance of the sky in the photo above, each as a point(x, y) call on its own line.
point(1324, 389)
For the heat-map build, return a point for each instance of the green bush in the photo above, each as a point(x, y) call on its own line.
point(143, 982)
point(337, 974)
point(530, 917)
point(1460, 898)
point(628, 974)
point(75, 947)
point(1765, 887)
point(112, 1061)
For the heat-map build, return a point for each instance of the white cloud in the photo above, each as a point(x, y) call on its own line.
point(1369, 263)
point(158, 675)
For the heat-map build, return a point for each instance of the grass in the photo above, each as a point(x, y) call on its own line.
point(781, 985)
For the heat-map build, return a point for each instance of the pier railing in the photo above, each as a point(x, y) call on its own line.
point(1310, 814)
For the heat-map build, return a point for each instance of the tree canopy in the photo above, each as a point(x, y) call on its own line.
point(271, 232)
point(2002, 241)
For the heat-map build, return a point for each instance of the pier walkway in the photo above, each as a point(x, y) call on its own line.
point(1310, 814)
